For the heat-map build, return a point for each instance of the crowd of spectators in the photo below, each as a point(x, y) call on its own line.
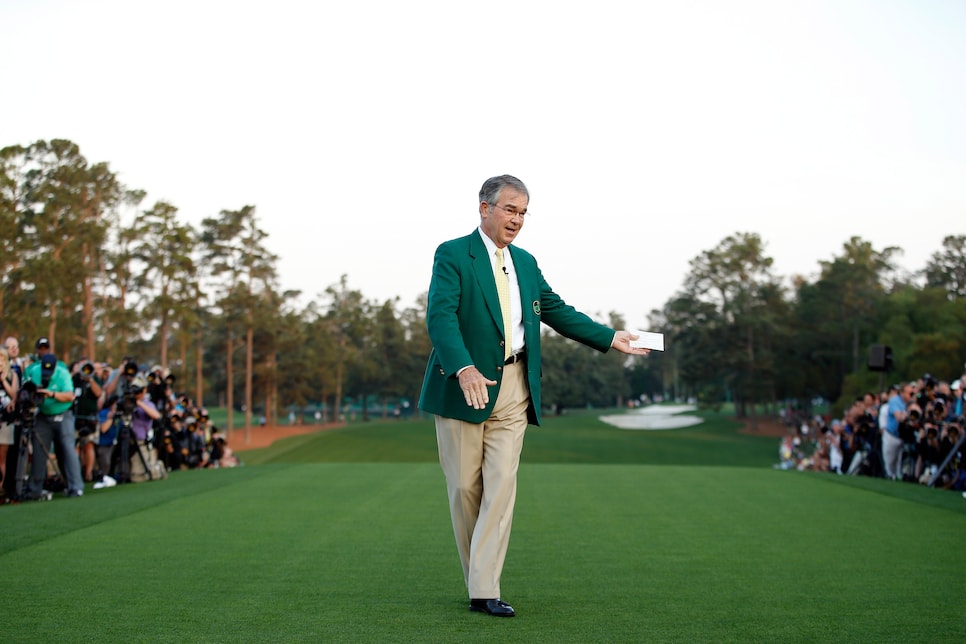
point(911, 432)
point(103, 426)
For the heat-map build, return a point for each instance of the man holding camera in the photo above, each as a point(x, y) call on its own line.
point(87, 395)
point(120, 381)
point(54, 422)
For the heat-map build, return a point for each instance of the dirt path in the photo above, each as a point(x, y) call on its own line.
point(765, 426)
point(258, 437)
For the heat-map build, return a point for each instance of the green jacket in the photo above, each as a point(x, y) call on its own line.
point(466, 326)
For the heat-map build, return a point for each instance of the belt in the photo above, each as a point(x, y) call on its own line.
point(516, 357)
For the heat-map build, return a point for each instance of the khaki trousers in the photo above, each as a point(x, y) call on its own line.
point(480, 462)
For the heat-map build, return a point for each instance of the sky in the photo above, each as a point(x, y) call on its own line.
point(646, 131)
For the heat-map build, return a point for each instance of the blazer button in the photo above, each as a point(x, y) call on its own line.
point(442, 373)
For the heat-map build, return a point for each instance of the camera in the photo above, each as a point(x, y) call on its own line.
point(29, 400)
point(86, 370)
point(130, 368)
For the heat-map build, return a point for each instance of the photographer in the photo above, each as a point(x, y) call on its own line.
point(145, 412)
point(87, 396)
point(54, 422)
point(160, 390)
point(107, 422)
point(197, 453)
point(137, 415)
point(120, 381)
point(927, 458)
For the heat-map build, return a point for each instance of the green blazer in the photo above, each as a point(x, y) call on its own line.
point(466, 326)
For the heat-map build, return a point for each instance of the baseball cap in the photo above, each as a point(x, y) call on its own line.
point(43, 342)
point(48, 361)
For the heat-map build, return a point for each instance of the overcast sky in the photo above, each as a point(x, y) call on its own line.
point(647, 131)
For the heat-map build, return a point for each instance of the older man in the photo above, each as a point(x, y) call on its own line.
point(487, 299)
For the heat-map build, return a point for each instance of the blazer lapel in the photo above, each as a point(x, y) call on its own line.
point(485, 278)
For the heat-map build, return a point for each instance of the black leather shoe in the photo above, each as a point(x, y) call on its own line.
point(495, 607)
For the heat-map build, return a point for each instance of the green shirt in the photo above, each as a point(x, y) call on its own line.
point(60, 381)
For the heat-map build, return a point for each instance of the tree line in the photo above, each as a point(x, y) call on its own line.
point(87, 263)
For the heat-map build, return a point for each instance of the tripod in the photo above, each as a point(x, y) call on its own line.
point(125, 437)
point(27, 424)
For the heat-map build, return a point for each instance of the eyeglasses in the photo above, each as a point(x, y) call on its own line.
point(513, 212)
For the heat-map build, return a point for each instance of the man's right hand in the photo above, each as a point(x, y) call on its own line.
point(474, 386)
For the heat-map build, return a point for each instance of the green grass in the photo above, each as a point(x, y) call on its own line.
point(620, 539)
point(578, 437)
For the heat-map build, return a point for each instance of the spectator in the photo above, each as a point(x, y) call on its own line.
point(958, 393)
point(892, 444)
point(9, 387)
point(12, 345)
point(222, 455)
point(836, 443)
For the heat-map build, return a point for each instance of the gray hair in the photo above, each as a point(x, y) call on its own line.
point(492, 187)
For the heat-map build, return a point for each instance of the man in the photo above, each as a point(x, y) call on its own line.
point(87, 402)
point(892, 444)
point(142, 425)
point(482, 380)
point(54, 423)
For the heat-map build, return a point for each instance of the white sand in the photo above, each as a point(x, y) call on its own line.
point(654, 417)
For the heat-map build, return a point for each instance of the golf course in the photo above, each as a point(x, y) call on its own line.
point(686, 534)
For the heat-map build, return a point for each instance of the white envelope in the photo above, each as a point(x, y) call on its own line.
point(648, 340)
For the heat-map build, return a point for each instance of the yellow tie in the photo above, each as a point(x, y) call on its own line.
point(503, 290)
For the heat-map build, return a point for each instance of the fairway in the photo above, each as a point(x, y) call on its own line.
point(363, 551)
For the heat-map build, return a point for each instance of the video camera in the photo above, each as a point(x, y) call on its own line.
point(29, 400)
point(126, 404)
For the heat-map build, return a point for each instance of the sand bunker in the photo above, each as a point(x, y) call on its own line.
point(654, 417)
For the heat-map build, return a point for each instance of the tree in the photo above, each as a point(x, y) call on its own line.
point(736, 278)
point(235, 249)
point(350, 325)
point(947, 268)
point(836, 317)
point(167, 285)
point(62, 206)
